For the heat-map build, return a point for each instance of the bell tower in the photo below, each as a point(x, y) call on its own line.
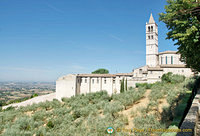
point(151, 43)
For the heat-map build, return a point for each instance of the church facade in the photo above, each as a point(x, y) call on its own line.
point(157, 64)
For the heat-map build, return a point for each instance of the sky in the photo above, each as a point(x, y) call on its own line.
point(41, 40)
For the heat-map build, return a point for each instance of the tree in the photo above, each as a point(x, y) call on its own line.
point(100, 71)
point(122, 86)
point(126, 85)
point(182, 19)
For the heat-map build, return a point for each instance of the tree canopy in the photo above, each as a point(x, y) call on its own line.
point(182, 18)
point(100, 71)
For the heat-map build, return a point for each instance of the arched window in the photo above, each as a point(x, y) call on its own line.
point(97, 80)
point(171, 59)
point(93, 81)
point(166, 59)
point(151, 28)
point(152, 37)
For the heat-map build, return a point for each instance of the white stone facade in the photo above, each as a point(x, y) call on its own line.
point(157, 64)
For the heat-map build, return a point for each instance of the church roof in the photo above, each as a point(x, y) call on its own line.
point(173, 66)
point(95, 75)
point(104, 75)
point(167, 52)
point(151, 19)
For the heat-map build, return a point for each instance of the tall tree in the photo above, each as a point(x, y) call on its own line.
point(126, 85)
point(182, 19)
point(122, 86)
point(100, 71)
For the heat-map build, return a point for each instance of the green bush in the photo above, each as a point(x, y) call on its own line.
point(113, 108)
point(170, 78)
point(145, 85)
point(171, 133)
point(50, 124)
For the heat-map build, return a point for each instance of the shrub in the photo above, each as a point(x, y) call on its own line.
point(145, 85)
point(50, 124)
point(170, 78)
point(113, 108)
point(171, 133)
point(9, 108)
point(34, 95)
point(147, 122)
point(39, 115)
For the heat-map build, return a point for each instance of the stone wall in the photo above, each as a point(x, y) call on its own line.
point(191, 120)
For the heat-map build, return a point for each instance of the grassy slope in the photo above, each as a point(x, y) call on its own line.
point(91, 114)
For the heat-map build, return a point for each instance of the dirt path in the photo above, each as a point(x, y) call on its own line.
point(141, 103)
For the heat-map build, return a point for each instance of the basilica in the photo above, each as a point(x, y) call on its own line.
point(157, 64)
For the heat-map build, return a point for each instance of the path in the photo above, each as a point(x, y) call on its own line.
point(42, 98)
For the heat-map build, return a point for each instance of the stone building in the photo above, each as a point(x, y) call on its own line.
point(157, 64)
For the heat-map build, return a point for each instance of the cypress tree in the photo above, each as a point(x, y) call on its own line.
point(122, 86)
point(126, 86)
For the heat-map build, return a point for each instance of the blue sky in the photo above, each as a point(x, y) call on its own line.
point(41, 40)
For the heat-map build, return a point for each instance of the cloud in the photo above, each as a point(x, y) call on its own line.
point(54, 8)
point(115, 37)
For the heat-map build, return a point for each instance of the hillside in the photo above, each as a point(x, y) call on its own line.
point(149, 106)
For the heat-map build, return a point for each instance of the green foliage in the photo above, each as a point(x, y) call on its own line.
point(113, 108)
point(129, 97)
point(173, 127)
point(147, 122)
point(92, 113)
point(184, 25)
point(100, 71)
point(145, 85)
point(50, 124)
point(34, 95)
point(126, 85)
point(122, 86)
point(9, 108)
point(170, 78)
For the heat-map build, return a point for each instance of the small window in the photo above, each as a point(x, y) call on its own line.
point(105, 81)
point(97, 80)
point(161, 60)
point(166, 59)
point(151, 72)
point(149, 29)
point(93, 81)
point(171, 59)
point(152, 37)
point(140, 71)
point(182, 70)
point(148, 37)
point(113, 81)
point(85, 80)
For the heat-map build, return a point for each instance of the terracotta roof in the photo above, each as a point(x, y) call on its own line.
point(168, 52)
point(124, 74)
point(104, 75)
point(173, 66)
point(95, 75)
point(155, 69)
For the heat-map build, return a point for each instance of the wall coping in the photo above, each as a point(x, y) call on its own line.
point(191, 119)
